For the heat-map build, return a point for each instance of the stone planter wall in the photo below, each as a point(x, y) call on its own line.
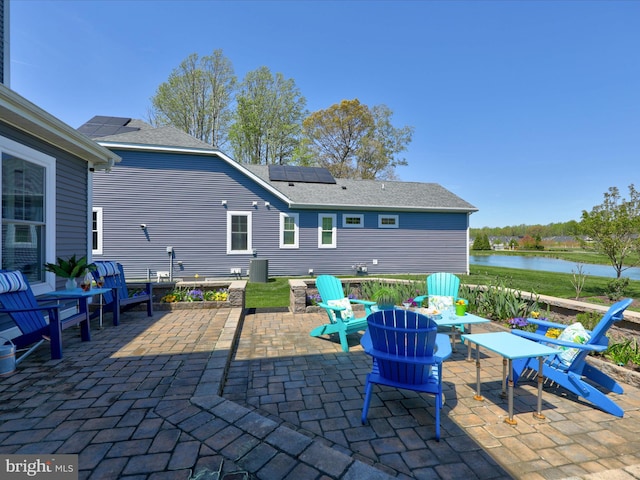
point(298, 295)
point(235, 298)
point(299, 290)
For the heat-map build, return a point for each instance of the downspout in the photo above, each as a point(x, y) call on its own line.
point(468, 250)
point(90, 171)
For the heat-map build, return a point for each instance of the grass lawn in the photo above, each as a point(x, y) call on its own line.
point(275, 293)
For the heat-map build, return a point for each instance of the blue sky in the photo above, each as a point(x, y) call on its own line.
point(529, 110)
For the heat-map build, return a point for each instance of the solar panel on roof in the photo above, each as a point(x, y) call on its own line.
point(277, 173)
point(103, 126)
point(294, 175)
point(324, 176)
point(290, 173)
point(119, 121)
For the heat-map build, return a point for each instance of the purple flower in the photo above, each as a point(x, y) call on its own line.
point(314, 299)
point(195, 296)
point(518, 322)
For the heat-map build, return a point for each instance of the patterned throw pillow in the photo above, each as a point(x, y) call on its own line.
point(575, 333)
point(440, 302)
point(107, 269)
point(12, 282)
point(347, 313)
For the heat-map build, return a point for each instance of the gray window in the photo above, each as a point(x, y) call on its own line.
point(23, 216)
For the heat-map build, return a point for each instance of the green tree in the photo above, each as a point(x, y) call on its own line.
point(268, 119)
point(612, 228)
point(197, 98)
point(352, 140)
point(481, 242)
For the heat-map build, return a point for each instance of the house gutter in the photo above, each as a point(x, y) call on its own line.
point(20, 113)
point(378, 208)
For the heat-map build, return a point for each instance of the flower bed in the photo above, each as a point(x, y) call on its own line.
point(199, 295)
point(195, 295)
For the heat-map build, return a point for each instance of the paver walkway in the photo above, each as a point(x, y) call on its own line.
point(140, 401)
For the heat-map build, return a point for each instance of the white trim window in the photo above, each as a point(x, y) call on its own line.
point(239, 233)
point(96, 231)
point(289, 230)
point(327, 232)
point(352, 220)
point(28, 213)
point(388, 221)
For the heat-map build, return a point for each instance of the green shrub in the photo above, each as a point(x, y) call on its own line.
point(402, 291)
point(499, 302)
point(588, 319)
point(616, 288)
point(623, 352)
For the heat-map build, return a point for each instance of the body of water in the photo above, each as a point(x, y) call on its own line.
point(550, 265)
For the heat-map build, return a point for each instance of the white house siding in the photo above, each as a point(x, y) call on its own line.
point(179, 198)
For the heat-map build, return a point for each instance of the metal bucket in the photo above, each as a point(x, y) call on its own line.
point(7, 358)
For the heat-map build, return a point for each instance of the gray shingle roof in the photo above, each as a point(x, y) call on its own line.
point(344, 194)
point(370, 194)
point(141, 133)
point(162, 136)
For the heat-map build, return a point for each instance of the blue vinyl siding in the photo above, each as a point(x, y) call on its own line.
point(71, 200)
point(179, 197)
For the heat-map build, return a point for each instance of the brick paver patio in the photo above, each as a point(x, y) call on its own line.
point(141, 401)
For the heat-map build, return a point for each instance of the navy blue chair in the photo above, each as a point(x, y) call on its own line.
point(407, 352)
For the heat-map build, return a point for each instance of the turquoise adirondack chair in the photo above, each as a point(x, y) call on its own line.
point(342, 320)
point(569, 367)
point(407, 353)
point(442, 292)
point(440, 286)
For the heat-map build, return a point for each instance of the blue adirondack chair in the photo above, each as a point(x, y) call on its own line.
point(19, 302)
point(572, 372)
point(113, 275)
point(342, 320)
point(407, 353)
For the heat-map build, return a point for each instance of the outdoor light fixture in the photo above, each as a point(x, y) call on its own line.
point(143, 226)
point(224, 202)
point(255, 204)
point(267, 204)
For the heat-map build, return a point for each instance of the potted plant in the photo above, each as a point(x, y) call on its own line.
point(70, 269)
point(386, 297)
